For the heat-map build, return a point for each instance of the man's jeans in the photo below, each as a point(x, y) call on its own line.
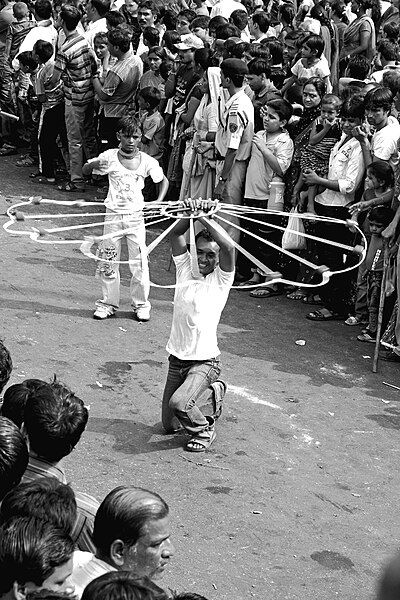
point(79, 121)
point(188, 384)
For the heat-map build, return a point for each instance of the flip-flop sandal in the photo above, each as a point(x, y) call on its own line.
point(265, 293)
point(70, 187)
point(45, 181)
point(312, 300)
point(219, 388)
point(318, 315)
point(244, 284)
point(203, 441)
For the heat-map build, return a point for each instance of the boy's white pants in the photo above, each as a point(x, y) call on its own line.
point(131, 227)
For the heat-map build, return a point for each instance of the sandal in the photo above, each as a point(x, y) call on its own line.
point(296, 295)
point(244, 284)
point(313, 299)
point(70, 187)
point(324, 314)
point(265, 292)
point(8, 150)
point(202, 441)
point(45, 180)
point(26, 162)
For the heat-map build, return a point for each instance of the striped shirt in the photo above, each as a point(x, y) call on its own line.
point(54, 94)
point(87, 505)
point(77, 62)
point(121, 83)
point(16, 34)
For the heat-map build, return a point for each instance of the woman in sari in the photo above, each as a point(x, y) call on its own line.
point(199, 167)
point(359, 36)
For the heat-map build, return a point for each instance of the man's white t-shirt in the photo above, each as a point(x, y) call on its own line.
point(384, 143)
point(125, 186)
point(198, 304)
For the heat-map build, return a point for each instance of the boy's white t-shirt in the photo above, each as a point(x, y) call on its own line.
point(198, 304)
point(125, 189)
point(384, 143)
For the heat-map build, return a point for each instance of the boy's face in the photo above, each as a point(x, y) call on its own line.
point(376, 228)
point(129, 141)
point(58, 581)
point(271, 120)
point(186, 56)
point(154, 62)
point(377, 116)
point(100, 49)
point(182, 25)
point(348, 123)
point(132, 7)
point(289, 50)
point(256, 82)
point(329, 113)
point(201, 33)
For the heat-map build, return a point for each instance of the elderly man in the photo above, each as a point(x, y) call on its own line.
point(131, 533)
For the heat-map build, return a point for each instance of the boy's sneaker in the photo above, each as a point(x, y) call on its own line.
point(142, 313)
point(355, 321)
point(367, 337)
point(103, 312)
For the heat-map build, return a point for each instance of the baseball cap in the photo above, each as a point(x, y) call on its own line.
point(189, 41)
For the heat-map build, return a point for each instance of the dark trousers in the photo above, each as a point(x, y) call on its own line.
point(52, 126)
point(336, 293)
point(108, 130)
point(374, 284)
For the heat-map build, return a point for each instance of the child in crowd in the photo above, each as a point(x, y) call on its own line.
point(325, 133)
point(102, 54)
point(311, 64)
point(153, 77)
point(152, 123)
point(18, 31)
point(127, 168)
point(27, 102)
point(199, 26)
point(379, 218)
point(52, 119)
point(271, 154)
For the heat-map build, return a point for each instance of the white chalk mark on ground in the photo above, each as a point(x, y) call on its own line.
point(244, 393)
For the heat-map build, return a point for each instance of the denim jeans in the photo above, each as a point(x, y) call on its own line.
point(79, 122)
point(188, 384)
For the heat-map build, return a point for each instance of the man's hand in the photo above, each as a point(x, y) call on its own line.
point(203, 147)
point(389, 233)
point(358, 207)
point(200, 206)
point(311, 178)
point(360, 133)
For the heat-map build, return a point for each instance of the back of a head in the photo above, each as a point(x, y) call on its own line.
point(5, 366)
point(30, 550)
point(70, 15)
point(122, 585)
point(389, 583)
point(54, 420)
point(43, 9)
point(120, 37)
point(13, 456)
point(262, 20)
point(45, 498)
point(14, 402)
point(123, 514)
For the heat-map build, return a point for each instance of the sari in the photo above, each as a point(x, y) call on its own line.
point(352, 37)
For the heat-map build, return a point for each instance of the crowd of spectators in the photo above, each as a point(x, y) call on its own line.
point(274, 105)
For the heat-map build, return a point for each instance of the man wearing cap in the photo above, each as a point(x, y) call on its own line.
point(234, 137)
point(178, 84)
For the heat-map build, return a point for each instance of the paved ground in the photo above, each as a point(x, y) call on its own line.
point(298, 496)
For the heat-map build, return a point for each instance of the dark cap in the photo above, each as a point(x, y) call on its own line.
point(234, 66)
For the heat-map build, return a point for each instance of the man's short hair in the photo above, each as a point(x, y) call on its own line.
point(43, 9)
point(14, 456)
point(391, 80)
point(206, 235)
point(46, 499)
point(102, 6)
point(120, 37)
point(14, 402)
point(30, 550)
point(114, 18)
point(151, 35)
point(223, 32)
point(239, 18)
point(353, 108)
point(44, 50)
point(123, 585)
point(358, 67)
point(129, 124)
point(70, 15)
point(5, 365)
point(149, 5)
point(391, 30)
point(201, 21)
point(123, 514)
point(259, 66)
point(100, 38)
point(54, 420)
point(380, 97)
point(151, 95)
point(187, 14)
point(262, 20)
point(282, 107)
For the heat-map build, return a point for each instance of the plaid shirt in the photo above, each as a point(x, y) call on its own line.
point(77, 62)
point(87, 505)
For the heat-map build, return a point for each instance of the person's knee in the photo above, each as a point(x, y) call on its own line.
point(178, 402)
